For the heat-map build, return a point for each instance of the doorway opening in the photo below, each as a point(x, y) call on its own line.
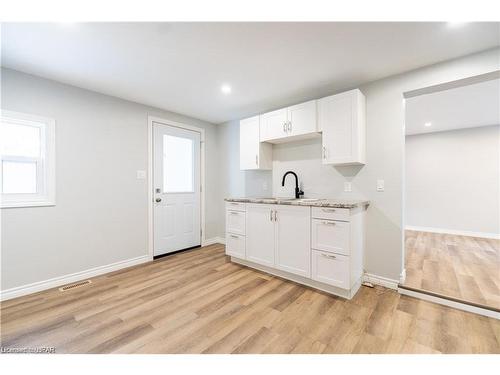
point(175, 184)
point(452, 191)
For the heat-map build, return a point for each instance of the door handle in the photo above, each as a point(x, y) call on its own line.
point(158, 200)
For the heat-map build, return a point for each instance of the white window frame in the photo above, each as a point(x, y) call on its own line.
point(46, 163)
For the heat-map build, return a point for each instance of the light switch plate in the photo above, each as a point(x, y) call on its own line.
point(347, 186)
point(141, 175)
point(380, 185)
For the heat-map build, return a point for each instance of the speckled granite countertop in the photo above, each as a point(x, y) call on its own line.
point(335, 203)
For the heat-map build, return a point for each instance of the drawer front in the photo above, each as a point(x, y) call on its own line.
point(235, 245)
point(330, 269)
point(331, 236)
point(331, 213)
point(235, 222)
point(236, 206)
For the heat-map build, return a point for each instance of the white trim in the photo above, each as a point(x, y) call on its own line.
point(151, 120)
point(495, 236)
point(402, 277)
point(449, 303)
point(213, 240)
point(66, 279)
point(46, 183)
point(380, 280)
point(344, 293)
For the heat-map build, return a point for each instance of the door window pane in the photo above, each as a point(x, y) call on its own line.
point(20, 140)
point(177, 164)
point(18, 177)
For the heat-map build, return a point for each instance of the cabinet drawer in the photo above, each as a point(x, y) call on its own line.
point(331, 213)
point(330, 269)
point(235, 245)
point(236, 206)
point(331, 236)
point(235, 222)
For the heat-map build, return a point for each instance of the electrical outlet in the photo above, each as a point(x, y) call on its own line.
point(347, 186)
point(380, 185)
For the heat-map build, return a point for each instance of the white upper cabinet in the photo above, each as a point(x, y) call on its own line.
point(302, 118)
point(253, 153)
point(273, 125)
point(341, 118)
point(287, 123)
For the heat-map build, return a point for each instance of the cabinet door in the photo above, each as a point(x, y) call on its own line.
point(331, 236)
point(341, 118)
point(293, 244)
point(260, 234)
point(235, 245)
point(249, 143)
point(330, 269)
point(302, 118)
point(273, 125)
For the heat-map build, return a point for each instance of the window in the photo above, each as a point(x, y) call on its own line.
point(177, 164)
point(27, 168)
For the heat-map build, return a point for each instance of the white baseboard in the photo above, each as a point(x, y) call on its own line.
point(402, 277)
point(495, 236)
point(211, 241)
point(66, 279)
point(382, 281)
point(449, 303)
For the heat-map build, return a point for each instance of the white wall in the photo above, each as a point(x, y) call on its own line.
point(453, 180)
point(385, 158)
point(101, 212)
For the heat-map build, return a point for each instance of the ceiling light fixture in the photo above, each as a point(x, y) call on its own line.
point(226, 89)
point(428, 124)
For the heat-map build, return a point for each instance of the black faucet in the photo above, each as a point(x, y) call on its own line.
point(298, 192)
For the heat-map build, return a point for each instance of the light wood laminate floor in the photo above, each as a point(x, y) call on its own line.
point(465, 268)
point(200, 302)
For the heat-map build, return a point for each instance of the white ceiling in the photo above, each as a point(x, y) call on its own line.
point(181, 66)
point(459, 108)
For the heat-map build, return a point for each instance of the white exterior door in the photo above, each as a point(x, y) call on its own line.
point(260, 233)
point(176, 184)
point(293, 243)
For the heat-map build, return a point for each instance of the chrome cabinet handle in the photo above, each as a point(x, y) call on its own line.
point(289, 126)
point(234, 213)
point(256, 159)
point(324, 152)
point(284, 126)
point(275, 215)
point(328, 209)
point(328, 256)
point(271, 215)
point(233, 203)
point(233, 236)
point(329, 222)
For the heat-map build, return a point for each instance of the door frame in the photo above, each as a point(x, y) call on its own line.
point(168, 122)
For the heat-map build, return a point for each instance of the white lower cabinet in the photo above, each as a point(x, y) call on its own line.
point(301, 243)
point(332, 269)
point(235, 245)
point(293, 239)
point(330, 235)
point(260, 235)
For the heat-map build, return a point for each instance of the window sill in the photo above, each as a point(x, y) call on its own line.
point(27, 204)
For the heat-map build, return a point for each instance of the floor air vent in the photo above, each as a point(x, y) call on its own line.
point(75, 285)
